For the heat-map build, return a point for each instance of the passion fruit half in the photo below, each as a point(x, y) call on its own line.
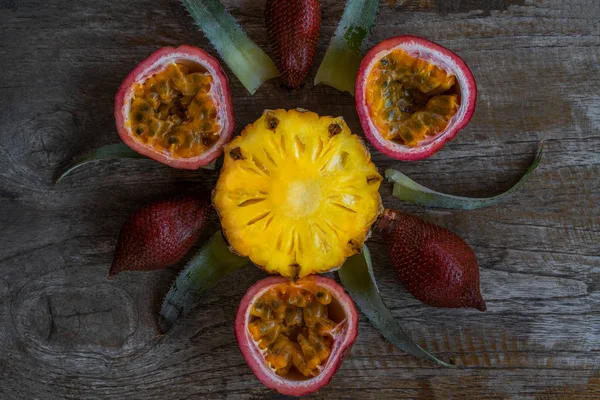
point(175, 108)
point(412, 96)
point(294, 335)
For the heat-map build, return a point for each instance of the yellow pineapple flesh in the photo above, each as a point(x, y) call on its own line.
point(297, 193)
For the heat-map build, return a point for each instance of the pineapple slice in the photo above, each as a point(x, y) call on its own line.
point(297, 193)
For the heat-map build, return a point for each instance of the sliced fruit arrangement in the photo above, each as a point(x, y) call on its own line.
point(412, 96)
point(293, 27)
point(160, 233)
point(435, 265)
point(293, 335)
point(297, 193)
point(175, 108)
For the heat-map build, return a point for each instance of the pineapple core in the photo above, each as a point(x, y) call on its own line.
point(292, 325)
point(410, 99)
point(173, 111)
point(297, 193)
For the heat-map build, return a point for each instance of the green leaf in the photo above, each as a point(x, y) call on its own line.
point(357, 277)
point(212, 262)
point(119, 150)
point(246, 59)
point(408, 190)
point(344, 54)
point(111, 151)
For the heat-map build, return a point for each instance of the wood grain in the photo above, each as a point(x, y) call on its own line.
point(68, 332)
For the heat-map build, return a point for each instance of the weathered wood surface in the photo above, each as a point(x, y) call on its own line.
point(66, 331)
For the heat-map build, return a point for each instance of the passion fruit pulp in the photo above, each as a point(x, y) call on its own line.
point(175, 107)
point(412, 96)
point(172, 111)
point(293, 335)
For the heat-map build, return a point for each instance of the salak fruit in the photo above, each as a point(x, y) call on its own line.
point(160, 233)
point(435, 265)
point(412, 96)
point(294, 335)
point(293, 27)
point(297, 193)
point(175, 108)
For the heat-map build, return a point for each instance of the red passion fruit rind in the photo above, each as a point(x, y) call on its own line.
point(429, 53)
point(192, 59)
point(339, 336)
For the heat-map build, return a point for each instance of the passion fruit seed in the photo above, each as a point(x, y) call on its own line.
point(291, 324)
point(410, 98)
point(173, 111)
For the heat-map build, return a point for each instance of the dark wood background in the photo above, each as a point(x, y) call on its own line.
point(66, 331)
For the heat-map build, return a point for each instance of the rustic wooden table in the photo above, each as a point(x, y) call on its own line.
point(66, 331)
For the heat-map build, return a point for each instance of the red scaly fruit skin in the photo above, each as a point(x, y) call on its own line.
point(433, 53)
point(160, 234)
point(434, 264)
point(293, 28)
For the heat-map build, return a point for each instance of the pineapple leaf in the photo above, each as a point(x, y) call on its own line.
point(250, 64)
point(344, 54)
point(359, 281)
point(212, 262)
point(408, 190)
point(111, 151)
